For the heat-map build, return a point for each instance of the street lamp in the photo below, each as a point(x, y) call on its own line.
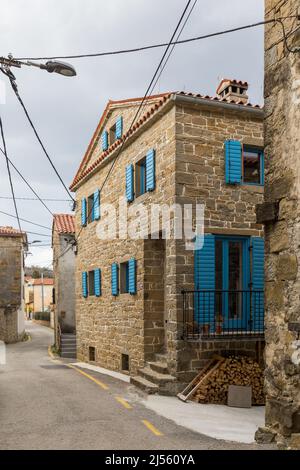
point(62, 68)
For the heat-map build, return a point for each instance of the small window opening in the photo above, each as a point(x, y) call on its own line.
point(252, 166)
point(112, 134)
point(125, 362)
point(91, 282)
point(92, 354)
point(234, 89)
point(140, 177)
point(90, 208)
point(124, 278)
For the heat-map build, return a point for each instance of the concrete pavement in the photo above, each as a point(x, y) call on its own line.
point(45, 404)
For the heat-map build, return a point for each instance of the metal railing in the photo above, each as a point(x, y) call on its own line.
point(223, 314)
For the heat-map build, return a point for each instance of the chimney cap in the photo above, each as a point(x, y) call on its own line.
point(225, 82)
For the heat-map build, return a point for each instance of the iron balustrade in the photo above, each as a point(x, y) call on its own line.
point(223, 314)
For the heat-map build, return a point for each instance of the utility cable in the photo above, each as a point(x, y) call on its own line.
point(9, 174)
point(13, 83)
point(25, 220)
point(154, 46)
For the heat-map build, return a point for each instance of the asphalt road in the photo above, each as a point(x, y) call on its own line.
point(44, 404)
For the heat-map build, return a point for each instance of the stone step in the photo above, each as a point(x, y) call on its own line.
point(68, 349)
point(156, 377)
point(160, 357)
point(68, 343)
point(144, 385)
point(71, 355)
point(160, 367)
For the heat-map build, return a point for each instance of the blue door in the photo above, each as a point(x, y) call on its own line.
point(232, 270)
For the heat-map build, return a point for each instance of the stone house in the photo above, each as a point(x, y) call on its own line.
point(63, 235)
point(13, 245)
point(280, 213)
point(131, 312)
point(42, 289)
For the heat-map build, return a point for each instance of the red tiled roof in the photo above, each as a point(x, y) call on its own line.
point(43, 282)
point(11, 232)
point(81, 174)
point(64, 223)
point(233, 81)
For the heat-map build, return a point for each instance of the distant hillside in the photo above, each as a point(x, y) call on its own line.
point(36, 271)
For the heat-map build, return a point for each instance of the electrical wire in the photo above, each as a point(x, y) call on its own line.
point(9, 175)
point(13, 83)
point(25, 220)
point(34, 198)
point(154, 46)
point(140, 106)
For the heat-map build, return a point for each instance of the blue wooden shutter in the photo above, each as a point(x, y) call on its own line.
point(204, 274)
point(96, 208)
point(258, 281)
point(233, 162)
point(97, 282)
point(84, 284)
point(262, 168)
point(83, 212)
point(129, 183)
point(132, 276)
point(150, 170)
point(119, 128)
point(115, 279)
point(104, 140)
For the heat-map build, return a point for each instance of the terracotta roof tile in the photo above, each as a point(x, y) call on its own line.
point(11, 232)
point(64, 223)
point(40, 282)
point(165, 97)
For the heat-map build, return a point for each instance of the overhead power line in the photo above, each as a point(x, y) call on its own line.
point(25, 220)
point(13, 83)
point(9, 174)
point(35, 198)
point(155, 46)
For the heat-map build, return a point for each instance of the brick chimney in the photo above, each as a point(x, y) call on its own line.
point(233, 90)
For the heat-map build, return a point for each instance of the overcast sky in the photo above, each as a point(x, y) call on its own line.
point(66, 110)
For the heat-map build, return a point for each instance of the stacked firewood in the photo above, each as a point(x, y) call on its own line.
point(234, 370)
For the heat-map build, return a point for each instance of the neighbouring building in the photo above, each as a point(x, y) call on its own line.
point(28, 295)
point(152, 306)
point(42, 289)
point(281, 215)
point(13, 245)
point(63, 238)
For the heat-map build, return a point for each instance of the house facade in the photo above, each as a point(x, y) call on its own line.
point(13, 245)
point(63, 235)
point(147, 302)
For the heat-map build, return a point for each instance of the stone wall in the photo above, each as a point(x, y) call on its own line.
point(190, 167)
point(11, 268)
point(282, 132)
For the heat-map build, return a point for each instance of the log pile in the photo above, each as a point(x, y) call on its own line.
point(234, 370)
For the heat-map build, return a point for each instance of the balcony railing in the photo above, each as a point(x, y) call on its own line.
point(223, 314)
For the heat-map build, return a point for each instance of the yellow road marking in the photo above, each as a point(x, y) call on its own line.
point(124, 403)
point(152, 428)
point(102, 385)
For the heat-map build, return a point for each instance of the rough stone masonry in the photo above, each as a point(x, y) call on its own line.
point(282, 223)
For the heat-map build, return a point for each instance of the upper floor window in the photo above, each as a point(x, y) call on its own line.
point(91, 283)
point(252, 165)
point(124, 278)
point(112, 134)
point(140, 177)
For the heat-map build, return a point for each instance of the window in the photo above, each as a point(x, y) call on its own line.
point(91, 283)
point(92, 354)
point(112, 134)
point(90, 206)
point(140, 177)
point(252, 165)
point(124, 278)
point(125, 362)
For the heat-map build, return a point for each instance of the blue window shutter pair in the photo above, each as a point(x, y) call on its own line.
point(85, 284)
point(129, 183)
point(96, 205)
point(119, 128)
point(83, 212)
point(115, 279)
point(104, 141)
point(258, 281)
point(233, 162)
point(132, 276)
point(150, 170)
point(204, 279)
point(97, 282)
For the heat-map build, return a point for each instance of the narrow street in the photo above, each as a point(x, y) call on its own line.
point(46, 405)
